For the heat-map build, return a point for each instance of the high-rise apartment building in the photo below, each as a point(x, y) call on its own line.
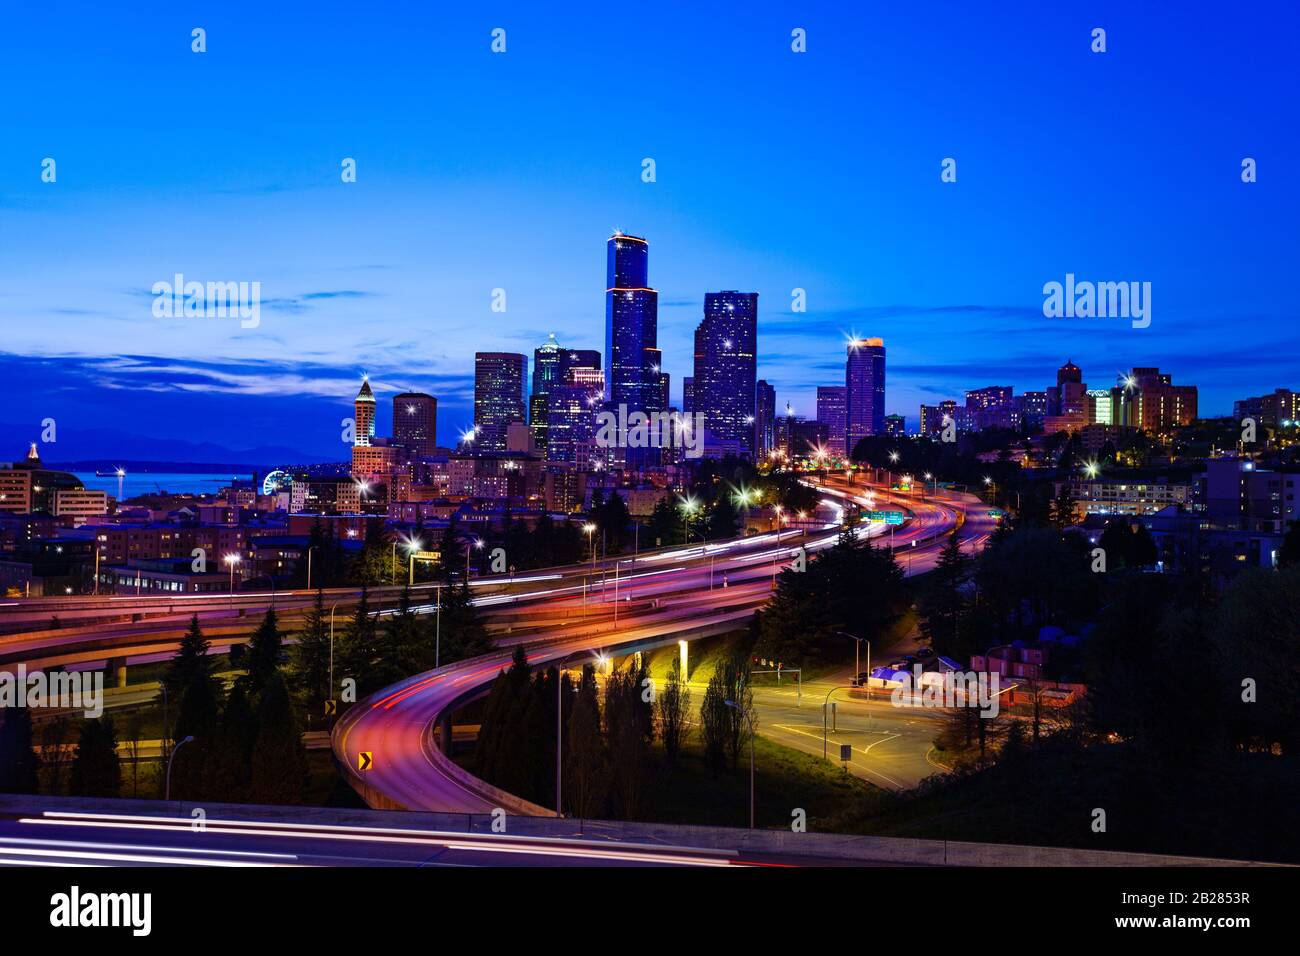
point(864, 383)
point(415, 423)
point(725, 365)
point(832, 412)
point(499, 381)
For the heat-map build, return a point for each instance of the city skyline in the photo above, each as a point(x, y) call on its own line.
point(395, 277)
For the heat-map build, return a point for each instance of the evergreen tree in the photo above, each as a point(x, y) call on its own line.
point(503, 736)
point(192, 684)
point(724, 521)
point(229, 769)
point(585, 760)
point(628, 743)
point(279, 761)
point(464, 633)
point(449, 549)
point(942, 603)
point(18, 759)
point(358, 652)
point(500, 733)
point(375, 567)
point(1063, 515)
point(309, 660)
point(263, 660)
point(95, 768)
point(404, 649)
point(665, 526)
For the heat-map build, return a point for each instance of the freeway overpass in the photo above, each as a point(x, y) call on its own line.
point(401, 727)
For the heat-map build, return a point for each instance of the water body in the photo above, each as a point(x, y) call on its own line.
point(150, 482)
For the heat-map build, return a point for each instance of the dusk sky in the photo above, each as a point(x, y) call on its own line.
point(775, 171)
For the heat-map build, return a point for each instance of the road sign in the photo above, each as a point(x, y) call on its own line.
point(330, 707)
point(364, 760)
point(846, 752)
point(889, 517)
point(426, 555)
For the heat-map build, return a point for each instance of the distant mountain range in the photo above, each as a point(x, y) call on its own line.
point(96, 449)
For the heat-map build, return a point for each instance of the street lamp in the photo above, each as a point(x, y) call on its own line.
point(688, 507)
point(857, 647)
point(826, 706)
point(167, 791)
point(476, 544)
point(749, 718)
point(232, 560)
point(590, 529)
point(412, 546)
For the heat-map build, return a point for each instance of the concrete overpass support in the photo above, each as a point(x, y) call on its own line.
point(117, 671)
point(444, 732)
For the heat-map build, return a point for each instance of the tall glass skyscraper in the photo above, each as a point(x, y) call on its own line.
point(832, 413)
point(725, 371)
point(631, 326)
point(499, 380)
point(864, 384)
point(415, 423)
point(764, 418)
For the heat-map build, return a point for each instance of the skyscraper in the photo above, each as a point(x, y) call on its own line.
point(764, 418)
point(415, 423)
point(499, 380)
point(631, 325)
point(364, 414)
point(832, 413)
point(573, 406)
point(724, 381)
point(546, 375)
point(864, 384)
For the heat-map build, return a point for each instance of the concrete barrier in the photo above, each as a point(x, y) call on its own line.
point(866, 850)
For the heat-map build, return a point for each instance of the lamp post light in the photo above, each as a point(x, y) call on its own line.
point(688, 508)
point(476, 545)
point(167, 791)
point(749, 718)
point(332, 609)
point(412, 546)
point(856, 648)
point(826, 706)
point(232, 560)
point(590, 529)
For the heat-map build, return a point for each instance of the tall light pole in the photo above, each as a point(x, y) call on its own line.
point(167, 791)
point(476, 544)
point(232, 560)
point(857, 647)
point(826, 706)
point(749, 718)
point(332, 609)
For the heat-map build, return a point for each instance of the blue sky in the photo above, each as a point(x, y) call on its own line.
point(775, 171)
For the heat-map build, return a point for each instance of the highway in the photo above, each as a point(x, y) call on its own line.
point(396, 727)
point(569, 614)
point(79, 839)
